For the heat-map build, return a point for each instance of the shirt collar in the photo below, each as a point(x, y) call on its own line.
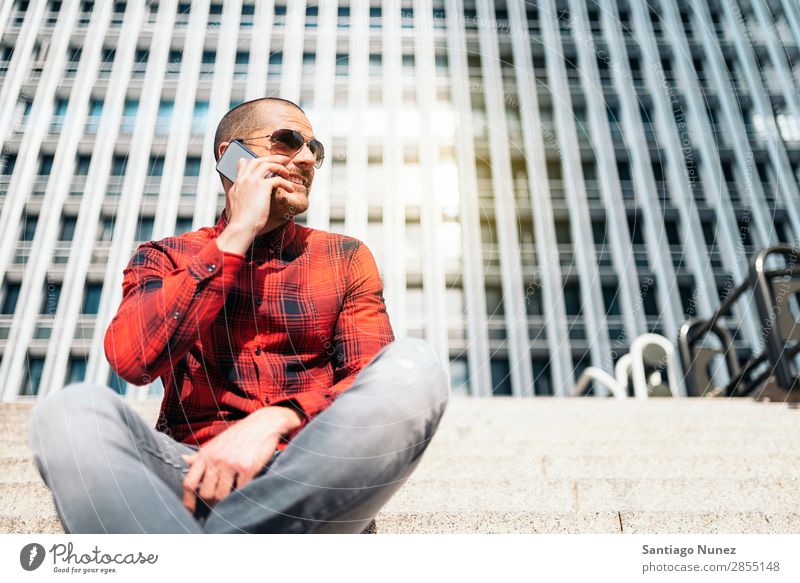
point(263, 245)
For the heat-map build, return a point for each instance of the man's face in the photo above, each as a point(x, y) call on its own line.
point(301, 166)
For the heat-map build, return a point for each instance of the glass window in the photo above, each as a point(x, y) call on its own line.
point(10, 295)
point(76, 370)
point(199, 117)
point(459, 376)
point(82, 164)
point(116, 383)
point(341, 64)
point(144, 228)
point(407, 14)
point(156, 167)
point(106, 230)
point(45, 164)
point(28, 228)
point(541, 376)
point(501, 377)
point(129, 115)
point(165, 109)
point(375, 17)
point(312, 12)
point(175, 59)
point(96, 107)
point(91, 298)
point(192, 167)
point(7, 164)
point(50, 297)
point(32, 376)
point(60, 107)
point(183, 225)
point(572, 299)
point(343, 20)
point(118, 164)
point(67, 230)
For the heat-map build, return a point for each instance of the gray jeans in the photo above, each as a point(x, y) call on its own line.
point(110, 472)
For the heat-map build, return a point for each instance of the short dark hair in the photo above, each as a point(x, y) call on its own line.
point(240, 120)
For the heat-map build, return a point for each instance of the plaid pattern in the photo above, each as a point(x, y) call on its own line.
point(290, 323)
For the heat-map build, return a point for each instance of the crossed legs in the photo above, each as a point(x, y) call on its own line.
point(109, 471)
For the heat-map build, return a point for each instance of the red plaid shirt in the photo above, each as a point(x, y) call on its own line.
point(290, 323)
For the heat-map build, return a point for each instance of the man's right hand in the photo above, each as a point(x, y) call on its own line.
point(249, 201)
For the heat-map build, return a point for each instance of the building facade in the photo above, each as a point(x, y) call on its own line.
point(540, 182)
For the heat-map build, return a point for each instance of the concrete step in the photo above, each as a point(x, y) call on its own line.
point(549, 465)
point(586, 522)
point(465, 467)
point(599, 495)
point(564, 495)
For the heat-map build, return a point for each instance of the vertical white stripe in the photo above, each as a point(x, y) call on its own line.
point(58, 186)
point(19, 67)
point(394, 208)
point(547, 258)
point(259, 50)
point(92, 201)
point(209, 185)
point(675, 169)
point(764, 234)
point(321, 113)
point(618, 233)
point(788, 192)
point(130, 199)
point(433, 267)
point(643, 178)
point(180, 129)
point(594, 318)
point(478, 358)
point(358, 95)
point(730, 245)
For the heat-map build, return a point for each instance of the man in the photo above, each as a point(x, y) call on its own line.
point(288, 407)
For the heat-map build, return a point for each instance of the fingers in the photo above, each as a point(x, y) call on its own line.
point(245, 478)
point(283, 183)
point(260, 167)
point(191, 482)
point(224, 484)
point(209, 484)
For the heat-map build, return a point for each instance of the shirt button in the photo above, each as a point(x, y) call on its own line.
point(258, 351)
point(176, 315)
point(258, 301)
point(211, 266)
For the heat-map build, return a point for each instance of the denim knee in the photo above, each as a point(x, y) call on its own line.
point(415, 361)
point(53, 414)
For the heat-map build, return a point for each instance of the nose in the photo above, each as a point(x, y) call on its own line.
point(304, 156)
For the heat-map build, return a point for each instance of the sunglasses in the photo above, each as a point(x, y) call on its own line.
point(288, 143)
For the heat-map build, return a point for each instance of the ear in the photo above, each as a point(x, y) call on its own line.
point(221, 149)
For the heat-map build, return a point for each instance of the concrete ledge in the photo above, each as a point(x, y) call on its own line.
point(503, 465)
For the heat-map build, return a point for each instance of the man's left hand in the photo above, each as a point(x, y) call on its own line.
point(235, 456)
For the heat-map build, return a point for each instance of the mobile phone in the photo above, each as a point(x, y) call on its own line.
point(227, 165)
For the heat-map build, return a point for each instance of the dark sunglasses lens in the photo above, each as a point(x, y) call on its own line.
point(289, 140)
point(318, 151)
